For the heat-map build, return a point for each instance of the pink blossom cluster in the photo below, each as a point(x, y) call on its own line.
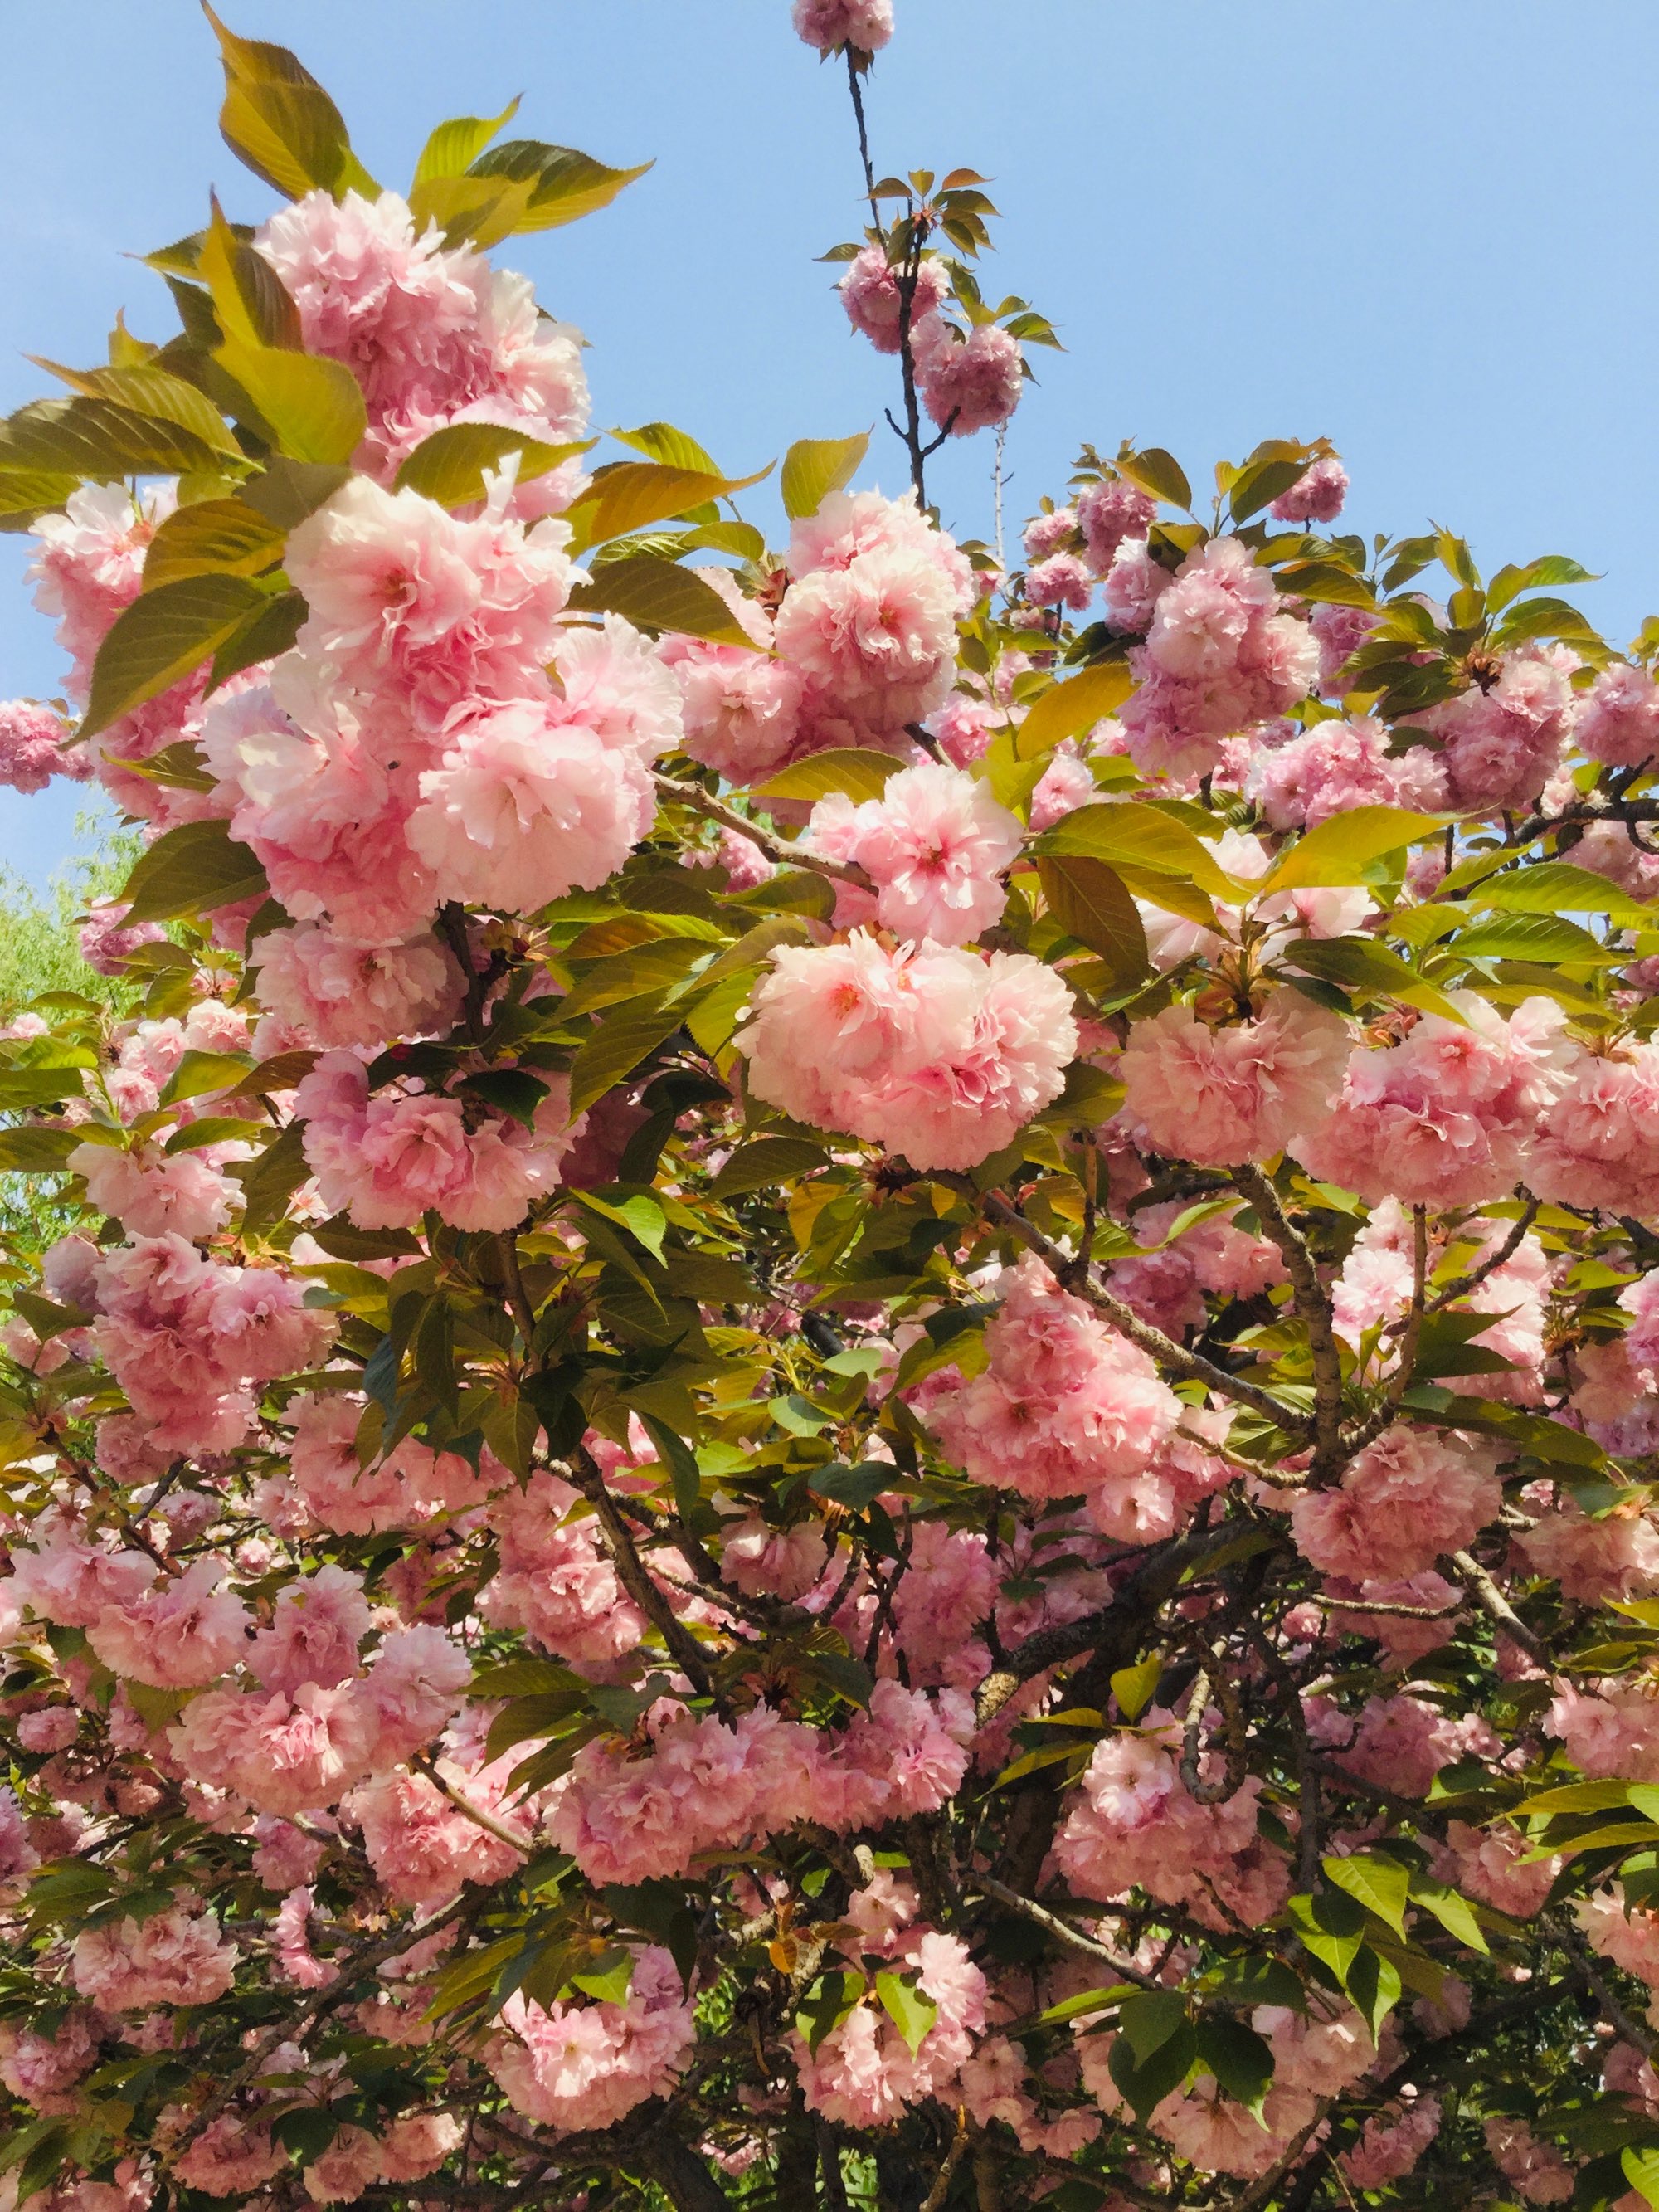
point(863, 640)
point(703, 1785)
point(1133, 1823)
point(1333, 767)
point(1503, 739)
point(1219, 655)
point(1064, 1406)
point(1445, 1117)
point(864, 2073)
point(1402, 1501)
point(390, 1157)
point(934, 845)
point(434, 335)
point(1244, 1092)
point(575, 2066)
point(934, 1052)
point(32, 747)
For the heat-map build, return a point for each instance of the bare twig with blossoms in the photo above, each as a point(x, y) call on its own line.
point(828, 1381)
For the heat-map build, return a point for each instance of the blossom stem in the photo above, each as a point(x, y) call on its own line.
point(1315, 1308)
point(1191, 1365)
point(631, 1571)
point(698, 801)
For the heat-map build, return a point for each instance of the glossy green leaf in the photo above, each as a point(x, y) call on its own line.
point(312, 408)
point(224, 536)
point(1338, 851)
point(814, 467)
point(450, 464)
point(616, 1048)
point(1378, 1884)
point(1091, 903)
point(453, 146)
point(1158, 474)
point(910, 2008)
point(278, 120)
point(857, 773)
point(629, 494)
point(765, 1163)
point(1071, 709)
point(192, 870)
point(1558, 887)
point(161, 637)
point(655, 595)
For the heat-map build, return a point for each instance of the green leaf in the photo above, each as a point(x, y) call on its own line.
point(216, 536)
point(829, 2001)
point(1146, 838)
point(1080, 2006)
point(1640, 2165)
point(1258, 484)
point(1360, 964)
point(192, 870)
point(653, 966)
point(1148, 2020)
point(513, 1090)
point(911, 2010)
point(1547, 939)
point(312, 408)
point(814, 467)
point(1451, 1910)
point(657, 596)
point(854, 1487)
point(269, 630)
point(1327, 582)
point(1241, 2060)
point(1158, 473)
point(678, 1456)
point(451, 149)
point(1373, 1984)
point(1070, 709)
point(36, 1151)
point(616, 1049)
point(449, 465)
point(21, 1088)
point(96, 439)
point(1145, 2079)
point(278, 121)
point(628, 494)
point(1091, 903)
point(1133, 1687)
point(642, 1217)
point(305, 2129)
point(859, 774)
point(161, 637)
point(1378, 1884)
point(145, 389)
point(765, 1163)
point(1339, 851)
point(271, 1179)
point(198, 1072)
point(664, 442)
point(1332, 1927)
point(1558, 887)
point(554, 185)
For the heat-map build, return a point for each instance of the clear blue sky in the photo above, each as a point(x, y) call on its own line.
point(1423, 230)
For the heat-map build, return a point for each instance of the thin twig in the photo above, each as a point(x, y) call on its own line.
point(1040, 1916)
point(699, 801)
point(631, 1571)
point(1313, 1305)
point(465, 1806)
point(1460, 1285)
point(1491, 1599)
point(1163, 1349)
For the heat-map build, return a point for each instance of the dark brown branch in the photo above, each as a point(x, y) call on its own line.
point(633, 1576)
point(1314, 1307)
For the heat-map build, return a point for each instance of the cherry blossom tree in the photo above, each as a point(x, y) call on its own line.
point(834, 1376)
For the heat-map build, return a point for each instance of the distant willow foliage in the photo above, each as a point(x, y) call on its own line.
point(830, 1372)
